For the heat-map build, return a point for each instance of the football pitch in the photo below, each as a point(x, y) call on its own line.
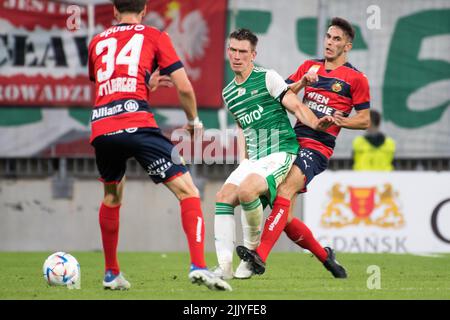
point(289, 276)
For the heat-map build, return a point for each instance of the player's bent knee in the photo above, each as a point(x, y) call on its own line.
point(246, 194)
point(222, 197)
point(293, 184)
point(183, 187)
point(228, 194)
point(112, 200)
point(287, 190)
point(250, 188)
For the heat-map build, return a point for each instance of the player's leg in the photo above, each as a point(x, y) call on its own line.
point(306, 166)
point(278, 218)
point(252, 213)
point(265, 176)
point(191, 216)
point(111, 163)
point(109, 224)
point(300, 234)
point(269, 173)
point(249, 192)
point(194, 227)
point(157, 155)
point(225, 229)
point(224, 222)
point(274, 224)
point(309, 164)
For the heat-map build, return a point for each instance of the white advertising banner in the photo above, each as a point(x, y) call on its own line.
point(400, 212)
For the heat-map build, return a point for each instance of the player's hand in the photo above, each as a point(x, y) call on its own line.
point(339, 118)
point(156, 80)
point(324, 123)
point(195, 128)
point(309, 78)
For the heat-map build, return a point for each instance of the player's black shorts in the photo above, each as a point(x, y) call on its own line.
point(148, 146)
point(311, 163)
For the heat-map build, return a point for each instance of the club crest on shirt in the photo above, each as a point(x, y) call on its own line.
point(337, 86)
point(241, 91)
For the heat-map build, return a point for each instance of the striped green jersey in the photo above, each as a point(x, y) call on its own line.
point(255, 104)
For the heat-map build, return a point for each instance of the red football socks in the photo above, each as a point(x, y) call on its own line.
point(274, 225)
point(194, 228)
point(299, 233)
point(109, 226)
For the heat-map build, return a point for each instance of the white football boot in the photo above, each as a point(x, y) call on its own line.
point(209, 279)
point(115, 282)
point(224, 272)
point(243, 271)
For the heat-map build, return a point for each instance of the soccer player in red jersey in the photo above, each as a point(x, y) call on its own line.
point(123, 126)
point(332, 87)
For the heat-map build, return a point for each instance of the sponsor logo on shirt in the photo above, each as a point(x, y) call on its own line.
point(252, 116)
point(107, 111)
point(131, 105)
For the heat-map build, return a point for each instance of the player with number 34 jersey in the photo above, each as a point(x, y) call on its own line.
point(120, 59)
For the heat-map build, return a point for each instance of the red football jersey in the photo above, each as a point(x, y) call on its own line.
point(343, 89)
point(119, 60)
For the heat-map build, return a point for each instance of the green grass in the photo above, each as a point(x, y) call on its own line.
point(289, 276)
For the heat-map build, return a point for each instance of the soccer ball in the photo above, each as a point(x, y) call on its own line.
point(62, 269)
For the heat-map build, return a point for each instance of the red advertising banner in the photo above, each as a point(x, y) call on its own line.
point(43, 50)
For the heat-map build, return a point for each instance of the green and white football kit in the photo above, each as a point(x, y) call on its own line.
point(271, 146)
point(270, 141)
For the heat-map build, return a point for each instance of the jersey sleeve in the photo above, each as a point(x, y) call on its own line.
point(91, 62)
point(360, 93)
point(275, 84)
point(166, 55)
point(224, 101)
point(297, 75)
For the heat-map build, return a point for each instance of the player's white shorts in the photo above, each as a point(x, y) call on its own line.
point(274, 168)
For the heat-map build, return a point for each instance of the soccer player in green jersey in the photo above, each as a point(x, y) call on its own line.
point(332, 86)
point(258, 99)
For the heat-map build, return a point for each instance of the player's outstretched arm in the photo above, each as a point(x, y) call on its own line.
point(308, 79)
point(304, 114)
point(360, 121)
point(296, 87)
point(185, 93)
point(187, 98)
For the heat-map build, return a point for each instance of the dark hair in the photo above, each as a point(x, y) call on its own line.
point(375, 118)
point(345, 26)
point(245, 34)
point(134, 6)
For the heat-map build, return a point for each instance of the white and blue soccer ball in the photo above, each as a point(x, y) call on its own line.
point(62, 269)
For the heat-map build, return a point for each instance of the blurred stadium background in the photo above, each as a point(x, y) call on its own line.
point(48, 186)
